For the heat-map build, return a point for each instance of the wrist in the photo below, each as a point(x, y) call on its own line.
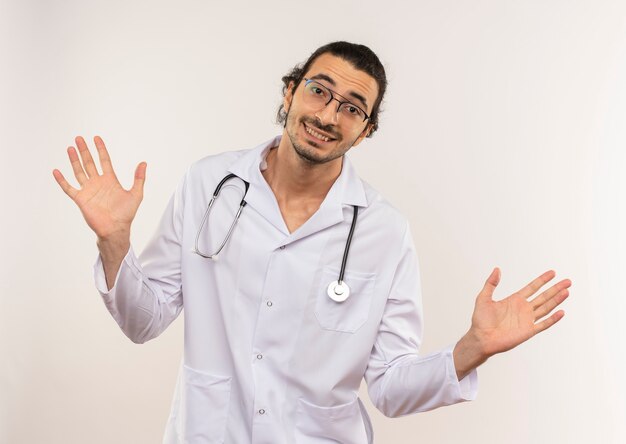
point(468, 354)
point(113, 249)
point(114, 244)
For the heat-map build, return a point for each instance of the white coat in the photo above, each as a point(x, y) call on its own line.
point(269, 357)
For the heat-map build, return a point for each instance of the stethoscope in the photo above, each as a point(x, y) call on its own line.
point(337, 290)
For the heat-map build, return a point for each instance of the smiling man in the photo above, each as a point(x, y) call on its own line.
point(316, 286)
point(334, 129)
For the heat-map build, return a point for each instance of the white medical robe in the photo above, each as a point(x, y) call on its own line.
point(269, 357)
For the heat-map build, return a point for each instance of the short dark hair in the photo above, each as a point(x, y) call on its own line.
point(360, 56)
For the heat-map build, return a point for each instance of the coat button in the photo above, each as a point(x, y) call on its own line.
point(262, 412)
point(282, 247)
point(269, 303)
point(259, 356)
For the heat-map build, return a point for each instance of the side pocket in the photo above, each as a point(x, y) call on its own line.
point(206, 401)
point(341, 423)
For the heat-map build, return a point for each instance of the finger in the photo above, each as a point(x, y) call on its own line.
point(103, 155)
point(140, 179)
point(77, 167)
point(490, 285)
point(549, 293)
point(551, 303)
point(85, 155)
point(549, 322)
point(65, 186)
point(536, 284)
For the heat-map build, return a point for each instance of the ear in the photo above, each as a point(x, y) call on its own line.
point(366, 131)
point(288, 97)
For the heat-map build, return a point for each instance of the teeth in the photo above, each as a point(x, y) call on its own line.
point(316, 134)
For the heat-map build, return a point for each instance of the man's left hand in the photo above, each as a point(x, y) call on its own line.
point(498, 326)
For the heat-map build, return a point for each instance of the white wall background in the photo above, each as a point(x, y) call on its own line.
point(503, 141)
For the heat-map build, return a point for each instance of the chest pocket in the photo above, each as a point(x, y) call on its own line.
point(347, 316)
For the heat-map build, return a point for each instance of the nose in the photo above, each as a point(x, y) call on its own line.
point(328, 114)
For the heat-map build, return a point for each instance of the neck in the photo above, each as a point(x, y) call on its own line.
point(292, 178)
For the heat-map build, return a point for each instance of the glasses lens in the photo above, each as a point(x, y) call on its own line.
point(352, 112)
point(316, 93)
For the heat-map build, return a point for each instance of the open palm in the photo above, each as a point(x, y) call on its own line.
point(106, 206)
point(502, 325)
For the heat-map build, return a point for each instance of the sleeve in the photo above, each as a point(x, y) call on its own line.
point(399, 381)
point(147, 293)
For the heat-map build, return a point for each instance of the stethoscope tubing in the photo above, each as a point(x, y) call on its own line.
point(216, 193)
point(342, 271)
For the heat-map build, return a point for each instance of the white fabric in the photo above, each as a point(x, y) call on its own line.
point(269, 357)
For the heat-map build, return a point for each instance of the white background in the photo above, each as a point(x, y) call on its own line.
point(503, 140)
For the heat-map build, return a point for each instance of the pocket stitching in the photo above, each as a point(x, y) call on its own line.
point(204, 385)
point(313, 420)
point(357, 320)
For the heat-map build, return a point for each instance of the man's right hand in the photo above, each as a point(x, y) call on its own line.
point(108, 208)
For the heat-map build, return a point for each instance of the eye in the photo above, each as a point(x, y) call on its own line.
point(316, 91)
point(352, 110)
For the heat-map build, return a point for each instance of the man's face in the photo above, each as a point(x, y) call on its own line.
point(319, 134)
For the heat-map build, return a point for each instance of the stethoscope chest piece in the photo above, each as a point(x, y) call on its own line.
point(338, 291)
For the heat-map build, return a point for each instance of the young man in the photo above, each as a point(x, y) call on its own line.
point(316, 285)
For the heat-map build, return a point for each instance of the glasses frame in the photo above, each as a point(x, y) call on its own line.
point(332, 97)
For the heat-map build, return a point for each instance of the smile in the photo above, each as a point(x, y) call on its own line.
point(317, 135)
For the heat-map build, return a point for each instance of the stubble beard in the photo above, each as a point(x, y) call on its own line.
point(308, 154)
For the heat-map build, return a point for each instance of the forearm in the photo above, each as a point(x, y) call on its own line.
point(113, 249)
point(468, 354)
point(141, 306)
point(413, 384)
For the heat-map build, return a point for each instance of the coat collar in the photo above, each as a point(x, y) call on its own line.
point(346, 192)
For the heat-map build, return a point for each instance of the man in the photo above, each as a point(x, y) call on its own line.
point(280, 331)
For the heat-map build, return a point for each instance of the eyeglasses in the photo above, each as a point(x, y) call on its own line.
point(317, 95)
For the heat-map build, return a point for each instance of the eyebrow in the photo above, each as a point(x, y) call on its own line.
point(329, 79)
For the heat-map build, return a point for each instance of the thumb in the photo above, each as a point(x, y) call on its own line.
point(490, 285)
point(140, 178)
